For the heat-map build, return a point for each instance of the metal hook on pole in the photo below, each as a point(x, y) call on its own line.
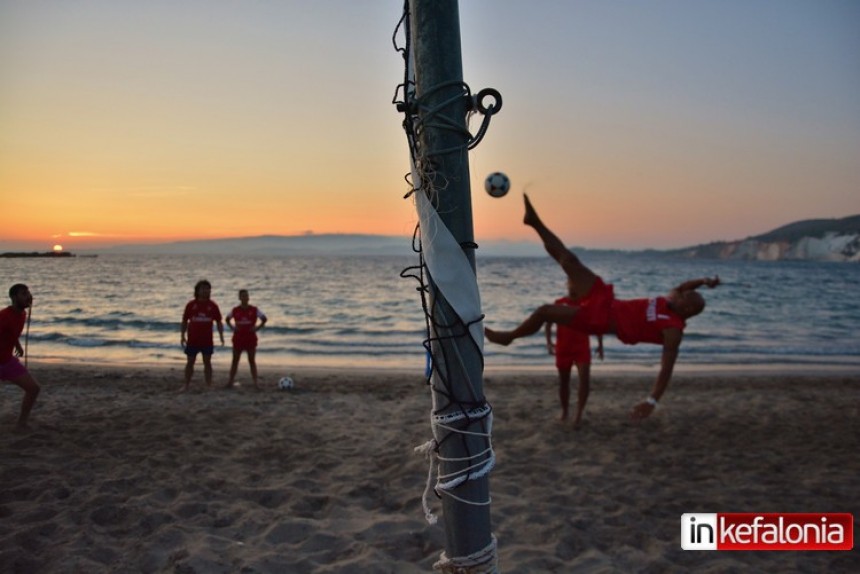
point(494, 107)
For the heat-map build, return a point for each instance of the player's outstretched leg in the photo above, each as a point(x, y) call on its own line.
point(581, 276)
point(561, 314)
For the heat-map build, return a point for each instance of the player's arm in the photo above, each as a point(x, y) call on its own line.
point(263, 320)
point(693, 284)
point(220, 330)
point(671, 345)
point(183, 328)
point(600, 346)
point(550, 347)
point(19, 350)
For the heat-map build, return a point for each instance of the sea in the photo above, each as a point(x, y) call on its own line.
point(358, 312)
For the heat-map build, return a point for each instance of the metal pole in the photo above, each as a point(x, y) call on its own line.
point(435, 29)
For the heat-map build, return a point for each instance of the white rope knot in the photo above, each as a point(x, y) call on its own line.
point(427, 449)
point(484, 561)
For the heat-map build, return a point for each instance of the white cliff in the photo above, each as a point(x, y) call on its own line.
point(813, 240)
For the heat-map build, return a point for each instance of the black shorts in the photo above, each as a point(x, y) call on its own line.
point(206, 351)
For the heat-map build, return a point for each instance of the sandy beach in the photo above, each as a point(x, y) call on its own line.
point(121, 474)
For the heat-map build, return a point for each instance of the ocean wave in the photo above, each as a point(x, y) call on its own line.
point(357, 314)
point(77, 342)
point(112, 324)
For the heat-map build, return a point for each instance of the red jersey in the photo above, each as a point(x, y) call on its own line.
point(200, 315)
point(643, 320)
point(11, 324)
point(570, 343)
point(244, 321)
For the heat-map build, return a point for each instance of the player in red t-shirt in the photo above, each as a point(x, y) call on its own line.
point(12, 321)
point(245, 317)
point(660, 321)
point(571, 348)
point(197, 319)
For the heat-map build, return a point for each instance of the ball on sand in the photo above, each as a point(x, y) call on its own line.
point(497, 184)
point(286, 383)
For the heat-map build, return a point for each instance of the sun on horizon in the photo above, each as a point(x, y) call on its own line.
point(57, 248)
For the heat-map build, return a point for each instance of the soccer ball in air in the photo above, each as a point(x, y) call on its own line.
point(497, 184)
point(286, 383)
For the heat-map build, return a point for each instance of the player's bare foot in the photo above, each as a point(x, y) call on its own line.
point(531, 217)
point(498, 337)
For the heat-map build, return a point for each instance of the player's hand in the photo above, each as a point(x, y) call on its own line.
point(641, 411)
point(550, 348)
point(712, 282)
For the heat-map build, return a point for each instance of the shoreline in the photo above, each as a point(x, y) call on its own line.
point(120, 473)
point(277, 369)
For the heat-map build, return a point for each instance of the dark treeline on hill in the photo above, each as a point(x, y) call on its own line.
point(812, 228)
point(16, 254)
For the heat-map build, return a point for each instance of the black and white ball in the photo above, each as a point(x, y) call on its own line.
point(286, 384)
point(497, 184)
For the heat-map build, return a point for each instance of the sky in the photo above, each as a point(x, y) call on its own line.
point(632, 124)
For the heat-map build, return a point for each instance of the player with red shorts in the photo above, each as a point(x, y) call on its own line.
point(12, 321)
point(659, 321)
point(245, 317)
point(571, 348)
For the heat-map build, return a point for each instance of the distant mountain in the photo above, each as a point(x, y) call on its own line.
point(812, 239)
point(339, 244)
point(322, 244)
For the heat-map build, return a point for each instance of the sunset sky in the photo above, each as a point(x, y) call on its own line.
point(634, 124)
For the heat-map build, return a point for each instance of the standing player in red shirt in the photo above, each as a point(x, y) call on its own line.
point(197, 321)
point(571, 348)
point(659, 320)
point(245, 335)
point(12, 320)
